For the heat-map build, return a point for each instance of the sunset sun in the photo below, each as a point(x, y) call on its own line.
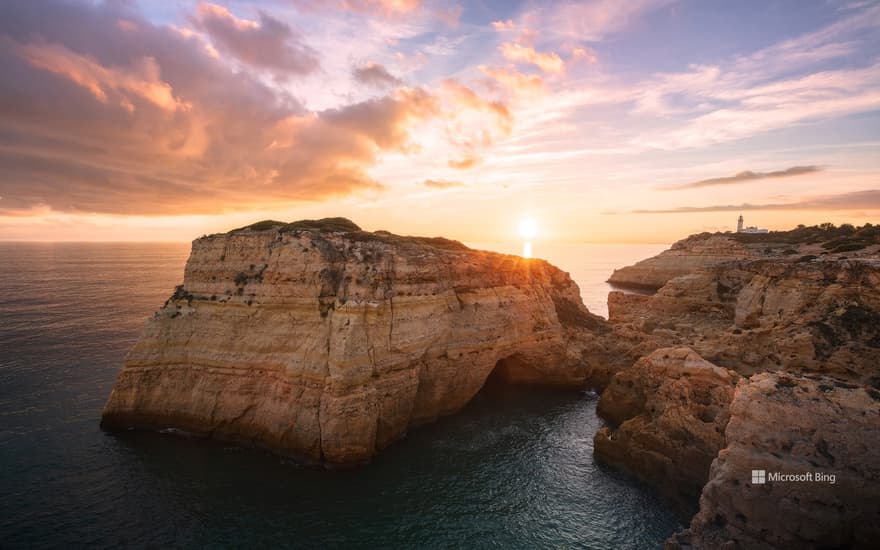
point(631, 244)
point(528, 228)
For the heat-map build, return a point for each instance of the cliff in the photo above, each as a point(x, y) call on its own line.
point(682, 258)
point(668, 414)
point(818, 316)
point(799, 339)
point(708, 249)
point(817, 427)
point(324, 342)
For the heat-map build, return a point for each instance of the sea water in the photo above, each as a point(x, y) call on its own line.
point(515, 469)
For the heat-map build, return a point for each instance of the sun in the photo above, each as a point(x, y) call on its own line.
point(528, 229)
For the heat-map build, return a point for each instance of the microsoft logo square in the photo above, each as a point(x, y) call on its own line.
point(759, 477)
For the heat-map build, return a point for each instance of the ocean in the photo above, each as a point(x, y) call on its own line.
point(515, 469)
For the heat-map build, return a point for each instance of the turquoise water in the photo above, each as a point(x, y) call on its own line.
point(513, 470)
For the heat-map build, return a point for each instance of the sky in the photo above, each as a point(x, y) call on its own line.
point(602, 121)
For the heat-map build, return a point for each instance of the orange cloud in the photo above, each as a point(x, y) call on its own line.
point(442, 184)
point(472, 121)
point(503, 25)
point(465, 163)
point(513, 82)
point(584, 54)
point(548, 62)
point(197, 136)
point(141, 80)
point(464, 97)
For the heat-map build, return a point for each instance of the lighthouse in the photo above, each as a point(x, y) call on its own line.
point(750, 229)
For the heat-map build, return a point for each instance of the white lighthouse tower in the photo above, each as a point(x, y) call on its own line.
point(750, 229)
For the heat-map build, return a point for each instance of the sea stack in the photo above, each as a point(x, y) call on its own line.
point(317, 340)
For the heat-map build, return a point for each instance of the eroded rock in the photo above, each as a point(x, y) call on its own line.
point(668, 414)
point(818, 428)
point(324, 342)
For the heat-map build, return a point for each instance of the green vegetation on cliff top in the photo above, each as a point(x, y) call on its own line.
point(352, 230)
point(842, 238)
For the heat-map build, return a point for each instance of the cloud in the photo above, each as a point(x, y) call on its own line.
point(590, 21)
point(268, 44)
point(513, 82)
point(141, 80)
point(747, 176)
point(776, 87)
point(586, 55)
point(465, 163)
point(548, 62)
point(856, 200)
point(374, 74)
point(503, 25)
point(442, 184)
point(472, 122)
point(140, 118)
point(386, 8)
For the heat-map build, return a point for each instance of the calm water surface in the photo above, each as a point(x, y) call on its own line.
point(513, 470)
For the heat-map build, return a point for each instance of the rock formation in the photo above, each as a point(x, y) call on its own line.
point(759, 315)
point(802, 335)
point(819, 428)
point(682, 258)
point(708, 249)
point(668, 413)
point(321, 341)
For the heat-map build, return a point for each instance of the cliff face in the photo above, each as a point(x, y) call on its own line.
point(753, 316)
point(682, 258)
point(788, 424)
point(803, 338)
point(668, 415)
point(705, 250)
point(327, 343)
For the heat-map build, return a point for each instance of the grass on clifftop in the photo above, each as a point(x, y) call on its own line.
point(843, 238)
point(344, 225)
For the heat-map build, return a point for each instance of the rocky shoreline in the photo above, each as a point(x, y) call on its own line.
point(327, 343)
point(764, 364)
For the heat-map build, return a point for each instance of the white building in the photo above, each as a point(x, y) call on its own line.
point(741, 229)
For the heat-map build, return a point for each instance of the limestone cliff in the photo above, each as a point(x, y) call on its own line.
point(792, 425)
point(668, 415)
point(682, 258)
point(708, 249)
point(325, 342)
point(752, 316)
point(806, 330)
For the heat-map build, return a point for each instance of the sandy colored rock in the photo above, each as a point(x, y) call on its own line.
point(328, 343)
point(667, 414)
point(764, 315)
point(792, 424)
point(683, 257)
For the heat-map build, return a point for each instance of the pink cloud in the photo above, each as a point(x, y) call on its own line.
point(268, 43)
point(375, 74)
point(547, 61)
point(140, 80)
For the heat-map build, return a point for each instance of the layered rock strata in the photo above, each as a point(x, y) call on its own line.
point(682, 258)
point(668, 414)
point(762, 315)
point(815, 443)
point(327, 343)
point(807, 332)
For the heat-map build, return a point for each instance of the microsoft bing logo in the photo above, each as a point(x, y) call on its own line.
point(759, 477)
